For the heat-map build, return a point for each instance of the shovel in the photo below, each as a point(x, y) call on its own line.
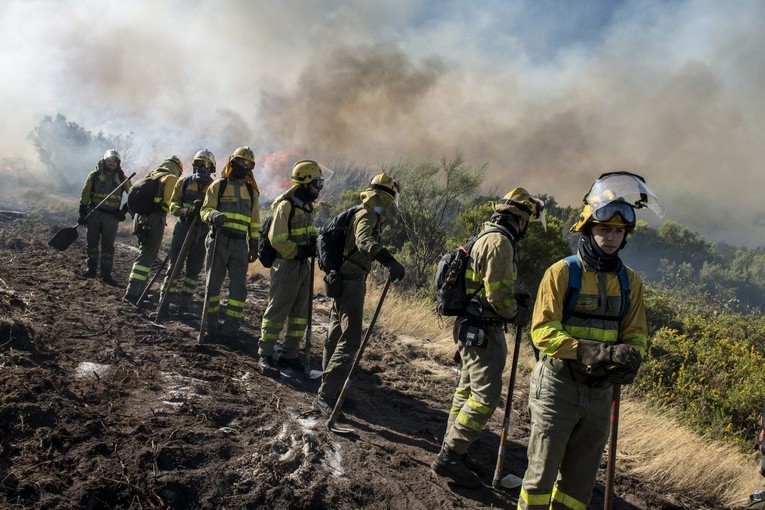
point(67, 235)
point(339, 404)
point(311, 374)
point(510, 481)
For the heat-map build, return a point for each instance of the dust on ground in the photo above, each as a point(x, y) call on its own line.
point(102, 409)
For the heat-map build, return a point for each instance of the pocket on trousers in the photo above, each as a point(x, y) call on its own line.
point(472, 333)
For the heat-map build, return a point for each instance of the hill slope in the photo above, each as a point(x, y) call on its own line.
point(101, 409)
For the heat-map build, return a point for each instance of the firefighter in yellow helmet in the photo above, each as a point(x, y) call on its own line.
point(293, 236)
point(102, 224)
point(590, 337)
point(149, 228)
point(185, 204)
point(479, 335)
point(362, 247)
point(231, 208)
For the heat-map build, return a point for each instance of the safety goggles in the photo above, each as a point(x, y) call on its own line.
point(606, 213)
point(199, 164)
point(246, 164)
point(318, 183)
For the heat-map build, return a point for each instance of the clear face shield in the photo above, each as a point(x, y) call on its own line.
point(541, 208)
point(618, 193)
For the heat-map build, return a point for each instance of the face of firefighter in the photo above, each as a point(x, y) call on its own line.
point(201, 172)
point(111, 164)
point(609, 237)
point(314, 188)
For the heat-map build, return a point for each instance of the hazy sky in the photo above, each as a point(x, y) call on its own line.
point(549, 93)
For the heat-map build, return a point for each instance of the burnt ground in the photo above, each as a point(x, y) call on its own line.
point(101, 409)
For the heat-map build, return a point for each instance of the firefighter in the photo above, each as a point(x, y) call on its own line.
point(362, 247)
point(231, 209)
point(479, 335)
point(102, 224)
point(293, 236)
point(587, 342)
point(187, 199)
point(149, 228)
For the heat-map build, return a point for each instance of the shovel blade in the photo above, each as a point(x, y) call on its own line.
point(63, 238)
point(511, 482)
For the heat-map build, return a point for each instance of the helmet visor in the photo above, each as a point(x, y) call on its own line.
point(607, 212)
point(629, 187)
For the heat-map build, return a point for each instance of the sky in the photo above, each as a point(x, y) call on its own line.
point(548, 93)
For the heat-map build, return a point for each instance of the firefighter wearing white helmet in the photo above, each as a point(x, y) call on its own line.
point(589, 340)
point(362, 247)
point(103, 223)
point(188, 195)
point(491, 277)
point(293, 235)
point(149, 228)
point(232, 210)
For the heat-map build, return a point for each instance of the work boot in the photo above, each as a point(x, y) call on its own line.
point(133, 292)
point(474, 466)
point(90, 271)
point(449, 464)
point(184, 303)
point(268, 365)
point(106, 276)
point(293, 364)
point(323, 406)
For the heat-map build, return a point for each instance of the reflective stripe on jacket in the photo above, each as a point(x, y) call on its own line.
point(493, 272)
point(98, 185)
point(243, 213)
point(183, 199)
point(600, 298)
point(285, 234)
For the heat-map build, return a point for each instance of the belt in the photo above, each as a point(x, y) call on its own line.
point(233, 235)
point(565, 369)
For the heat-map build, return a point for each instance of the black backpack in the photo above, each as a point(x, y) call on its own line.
point(452, 299)
point(267, 254)
point(331, 241)
point(140, 198)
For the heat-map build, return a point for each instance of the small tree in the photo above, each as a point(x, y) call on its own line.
point(70, 152)
point(431, 197)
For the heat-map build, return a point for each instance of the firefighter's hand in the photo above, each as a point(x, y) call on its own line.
point(592, 355)
point(217, 218)
point(252, 255)
point(397, 271)
point(522, 316)
point(82, 216)
point(122, 213)
point(625, 357)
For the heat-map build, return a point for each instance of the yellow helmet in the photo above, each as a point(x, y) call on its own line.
point(206, 157)
point(173, 161)
point(616, 212)
point(305, 171)
point(385, 183)
point(520, 203)
point(244, 153)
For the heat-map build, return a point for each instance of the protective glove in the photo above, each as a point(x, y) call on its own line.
point(186, 214)
point(594, 355)
point(252, 255)
point(83, 212)
point(397, 271)
point(217, 218)
point(122, 213)
point(304, 252)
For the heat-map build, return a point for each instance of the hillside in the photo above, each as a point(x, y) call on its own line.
point(101, 409)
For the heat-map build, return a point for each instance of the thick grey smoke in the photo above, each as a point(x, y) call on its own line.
point(549, 93)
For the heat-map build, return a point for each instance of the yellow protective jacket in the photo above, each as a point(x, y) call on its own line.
point(600, 296)
point(168, 174)
point(492, 273)
point(99, 184)
point(242, 210)
point(285, 235)
point(185, 193)
point(363, 240)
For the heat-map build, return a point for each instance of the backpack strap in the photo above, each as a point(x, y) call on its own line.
point(575, 285)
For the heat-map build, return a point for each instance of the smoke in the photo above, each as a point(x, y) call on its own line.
point(550, 94)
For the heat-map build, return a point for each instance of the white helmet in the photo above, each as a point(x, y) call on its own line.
point(112, 153)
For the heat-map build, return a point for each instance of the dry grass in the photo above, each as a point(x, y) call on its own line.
point(652, 445)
